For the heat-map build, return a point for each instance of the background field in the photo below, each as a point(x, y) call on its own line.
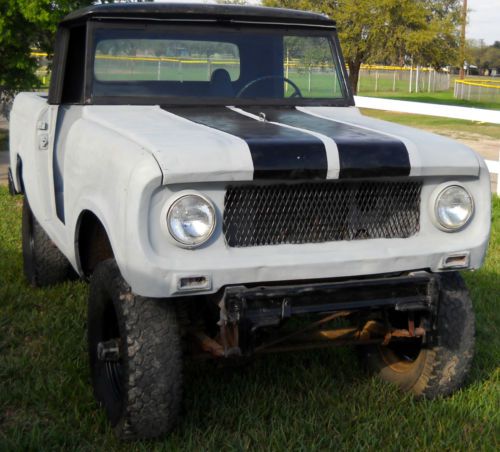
point(444, 126)
point(312, 81)
point(304, 401)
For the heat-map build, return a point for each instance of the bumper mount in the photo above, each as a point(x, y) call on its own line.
point(269, 305)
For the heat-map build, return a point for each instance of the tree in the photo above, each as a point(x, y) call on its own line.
point(27, 24)
point(17, 68)
point(485, 57)
point(44, 15)
point(389, 30)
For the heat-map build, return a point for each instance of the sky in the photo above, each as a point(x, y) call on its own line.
point(484, 18)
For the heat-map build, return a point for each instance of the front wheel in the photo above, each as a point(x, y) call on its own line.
point(135, 356)
point(434, 370)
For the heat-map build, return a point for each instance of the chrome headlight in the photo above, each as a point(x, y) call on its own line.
point(454, 207)
point(191, 220)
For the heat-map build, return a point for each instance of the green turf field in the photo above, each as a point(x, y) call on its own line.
point(314, 401)
point(446, 126)
point(315, 84)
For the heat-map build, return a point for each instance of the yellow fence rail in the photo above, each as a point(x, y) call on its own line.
point(184, 60)
point(373, 77)
point(477, 90)
point(492, 84)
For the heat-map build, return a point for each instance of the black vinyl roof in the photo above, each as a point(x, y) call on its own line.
point(197, 12)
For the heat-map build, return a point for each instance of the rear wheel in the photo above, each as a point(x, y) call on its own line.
point(135, 356)
point(438, 369)
point(44, 265)
point(12, 188)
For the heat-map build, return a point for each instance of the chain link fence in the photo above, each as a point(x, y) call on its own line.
point(478, 90)
point(402, 79)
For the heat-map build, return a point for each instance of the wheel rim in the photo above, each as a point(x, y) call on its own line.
point(402, 356)
point(113, 372)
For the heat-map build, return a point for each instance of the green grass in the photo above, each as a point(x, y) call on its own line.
point(442, 125)
point(302, 401)
point(322, 84)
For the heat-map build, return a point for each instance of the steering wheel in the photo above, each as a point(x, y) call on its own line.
point(296, 93)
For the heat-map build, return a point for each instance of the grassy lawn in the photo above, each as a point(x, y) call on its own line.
point(437, 124)
point(317, 84)
point(303, 401)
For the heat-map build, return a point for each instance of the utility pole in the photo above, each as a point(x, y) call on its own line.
point(463, 42)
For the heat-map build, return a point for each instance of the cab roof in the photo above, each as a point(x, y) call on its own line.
point(197, 12)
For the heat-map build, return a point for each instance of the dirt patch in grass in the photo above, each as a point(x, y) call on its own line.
point(489, 148)
point(483, 138)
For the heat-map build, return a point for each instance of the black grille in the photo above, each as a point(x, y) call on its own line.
point(320, 212)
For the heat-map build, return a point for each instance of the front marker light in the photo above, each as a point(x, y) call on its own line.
point(454, 208)
point(191, 220)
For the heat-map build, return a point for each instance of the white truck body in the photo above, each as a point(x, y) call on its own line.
point(124, 163)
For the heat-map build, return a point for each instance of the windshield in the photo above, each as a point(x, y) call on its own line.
point(212, 63)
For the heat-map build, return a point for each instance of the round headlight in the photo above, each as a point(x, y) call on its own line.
point(191, 220)
point(454, 207)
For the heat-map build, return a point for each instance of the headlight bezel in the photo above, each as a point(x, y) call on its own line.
point(438, 194)
point(166, 216)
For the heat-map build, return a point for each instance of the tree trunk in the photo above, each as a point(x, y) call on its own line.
point(354, 67)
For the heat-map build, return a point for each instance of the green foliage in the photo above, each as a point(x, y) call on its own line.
point(483, 56)
point(392, 31)
point(44, 15)
point(27, 24)
point(17, 69)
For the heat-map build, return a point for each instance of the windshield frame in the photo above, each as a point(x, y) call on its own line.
point(92, 99)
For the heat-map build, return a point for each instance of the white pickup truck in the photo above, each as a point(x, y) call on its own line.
point(206, 169)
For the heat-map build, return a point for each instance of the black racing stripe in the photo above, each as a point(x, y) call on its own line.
point(277, 152)
point(362, 153)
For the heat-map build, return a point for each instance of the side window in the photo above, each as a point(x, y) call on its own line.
point(309, 63)
point(164, 60)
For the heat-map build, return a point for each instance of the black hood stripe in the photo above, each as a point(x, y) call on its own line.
point(362, 152)
point(277, 152)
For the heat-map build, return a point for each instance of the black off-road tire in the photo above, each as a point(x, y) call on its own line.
point(439, 369)
point(141, 390)
point(10, 179)
point(44, 265)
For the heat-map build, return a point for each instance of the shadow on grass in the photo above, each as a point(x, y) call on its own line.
point(484, 287)
point(314, 400)
point(299, 401)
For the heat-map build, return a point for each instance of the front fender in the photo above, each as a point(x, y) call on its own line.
point(111, 177)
